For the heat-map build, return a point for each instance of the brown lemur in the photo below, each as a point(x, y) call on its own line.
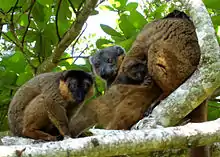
point(166, 50)
point(46, 102)
point(106, 62)
point(171, 48)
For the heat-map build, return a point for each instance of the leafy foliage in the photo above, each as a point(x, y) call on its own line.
point(33, 28)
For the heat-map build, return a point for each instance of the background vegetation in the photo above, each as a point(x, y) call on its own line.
point(31, 31)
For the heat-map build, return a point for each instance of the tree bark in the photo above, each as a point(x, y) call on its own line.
point(131, 142)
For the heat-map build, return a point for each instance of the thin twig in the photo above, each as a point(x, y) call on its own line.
point(80, 6)
point(101, 1)
point(57, 13)
point(29, 22)
point(77, 39)
point(12, 16)
point(84, 57)
point(10, 39)
point(72, 6)
point(80, 54)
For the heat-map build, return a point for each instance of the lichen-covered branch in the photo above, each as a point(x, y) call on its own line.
point(52, 61)
point(201, 84)
point(125, 142)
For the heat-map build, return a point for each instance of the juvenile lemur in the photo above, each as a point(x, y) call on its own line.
point(45, 103)
point(106, 62)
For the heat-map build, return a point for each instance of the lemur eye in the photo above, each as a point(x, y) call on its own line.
point(109, 60)
point(97, 64)
point(86, 84)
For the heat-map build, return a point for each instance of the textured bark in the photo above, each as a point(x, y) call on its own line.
point(201, 84)
point(52, 61)
point(126, 142)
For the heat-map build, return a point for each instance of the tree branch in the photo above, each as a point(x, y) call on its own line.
point(52, 61)
point(12, 15)
point(29, 22)
point(121, 142)
point(201, 84)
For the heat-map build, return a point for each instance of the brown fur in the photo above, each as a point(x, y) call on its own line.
point(168, 49)
point(42, 104)
point(120, 108)
point(171, 49)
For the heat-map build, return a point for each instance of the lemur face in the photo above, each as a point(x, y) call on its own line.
point(105, 62)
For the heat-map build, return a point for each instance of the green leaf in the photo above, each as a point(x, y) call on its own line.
point(109, 30)
point(214, 4)
point(7, 78)
point(80, 67)
point(94, 12)
point(23, 20)
point(38, 14)
point(64, 11)
point(213, 110)
point(7, 4)
point(137, 19)
point(118, 4)
point(100, 43)
point(126, 44)
point(131, 6)
point(63, 18)
point(50, 33)
point(15, 62)
point(119, 39)
point(23, 77)
point(31, 36)
point(43, 45)
point(106, 7)
point(45, 2)
point(25, 4)
point(216, 20)
point(126, 26)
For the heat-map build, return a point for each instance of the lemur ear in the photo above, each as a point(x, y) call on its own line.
point(64, 75)
point(92, 74)
point(120, 50)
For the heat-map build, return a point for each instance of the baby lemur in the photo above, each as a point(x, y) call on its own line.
point(45, 103)
point(106, 62)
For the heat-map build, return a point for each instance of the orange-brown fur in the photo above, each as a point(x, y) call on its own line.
point(120, 108)
point(64, 91)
